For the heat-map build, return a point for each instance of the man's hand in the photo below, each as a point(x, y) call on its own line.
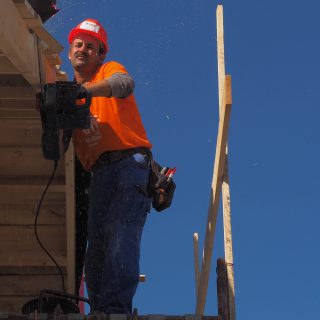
point(82, 92)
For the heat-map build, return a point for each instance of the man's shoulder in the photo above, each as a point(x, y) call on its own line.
point(111, 67)
point(112, 64)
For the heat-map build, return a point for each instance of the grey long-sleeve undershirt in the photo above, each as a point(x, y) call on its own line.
point(121, 84)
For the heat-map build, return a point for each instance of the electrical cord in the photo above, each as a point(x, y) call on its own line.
point(36, 223)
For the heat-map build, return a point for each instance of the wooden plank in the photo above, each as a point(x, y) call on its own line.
point(27, 161)
point(70, 216)
point(222, 290)
point(18, 44)
point(6, 67)
point(16, 104)
point(50, 71)
point(196, 260)
point(25, 180)
point(25, 285)
point(214, 199)
point(13, 304)
point(225, 184)
point(220, 55)
point(30, 195)
point(53, 46)
point(31, 270)
point(54, 59)
point(14, 80)
point(21, 93)
point(18, 246)
point(25, 9)
point(21, 132)
point(10, 113)
point(62, 76)
point(21, 214)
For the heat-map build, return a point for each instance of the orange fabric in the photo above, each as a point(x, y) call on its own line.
point(115, 123)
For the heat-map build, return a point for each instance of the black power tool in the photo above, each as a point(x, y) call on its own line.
point(61, 113)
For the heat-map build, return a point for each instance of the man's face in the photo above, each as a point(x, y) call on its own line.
point(84, 53)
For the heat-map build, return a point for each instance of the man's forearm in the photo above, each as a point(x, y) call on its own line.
point(118, 85)
point(99, 89)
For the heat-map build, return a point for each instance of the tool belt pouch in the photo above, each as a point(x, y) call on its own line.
point(160, 189)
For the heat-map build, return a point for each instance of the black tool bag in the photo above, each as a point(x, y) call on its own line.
point(161, 188)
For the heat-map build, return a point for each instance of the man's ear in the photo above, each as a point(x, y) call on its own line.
point(69, 54)
point(102, 56)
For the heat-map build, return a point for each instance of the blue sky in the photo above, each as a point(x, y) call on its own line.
point(272, 52)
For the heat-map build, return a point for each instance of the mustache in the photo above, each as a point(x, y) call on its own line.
point(80, 54)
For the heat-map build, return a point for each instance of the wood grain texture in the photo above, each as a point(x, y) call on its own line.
point(70, 217)
point(18, 44)
point(28, 161)
point(18, 246)
point(24, 215)
point(226, 204)
point(213, 204)
point(28, 285)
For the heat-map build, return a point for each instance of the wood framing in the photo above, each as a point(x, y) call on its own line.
point(196, 261)
point(225, 184)
point(70, 222)
point(18, 44)
point(215, 195)
point(29, 58)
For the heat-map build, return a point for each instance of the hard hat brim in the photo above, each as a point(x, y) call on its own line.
point(75, 32)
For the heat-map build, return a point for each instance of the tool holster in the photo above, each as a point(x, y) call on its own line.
point(161, 188)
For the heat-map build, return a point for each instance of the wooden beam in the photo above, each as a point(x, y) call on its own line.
point(54, 59)
point(222, 290)
point(16, 104)
point(225, 184)
point(28, 285)
point(6, 67)
point(24, 214)
point(70, 217)
point(25, 9)
point(196, 261)
point(214, 197)
point(32, 270)
point(27, 161)
point(18, 44)
point(33, 22)
point(26, 251)
point(21, 93)
point(13, 304)
point(20, 132)
point(142, 278)
point(10, 113)
point(53, 46)
point(14, 80)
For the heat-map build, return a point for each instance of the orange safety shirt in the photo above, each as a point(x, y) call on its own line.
point(115, 123)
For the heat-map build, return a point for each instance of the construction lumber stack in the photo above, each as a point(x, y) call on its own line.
point(29, 57)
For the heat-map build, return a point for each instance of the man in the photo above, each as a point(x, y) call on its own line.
point(116, 150)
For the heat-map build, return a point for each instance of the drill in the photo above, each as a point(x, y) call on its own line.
point(60, 111)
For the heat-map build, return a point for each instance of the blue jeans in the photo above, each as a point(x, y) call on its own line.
point(118, 207)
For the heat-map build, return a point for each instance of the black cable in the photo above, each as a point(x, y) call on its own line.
point(36, 221)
